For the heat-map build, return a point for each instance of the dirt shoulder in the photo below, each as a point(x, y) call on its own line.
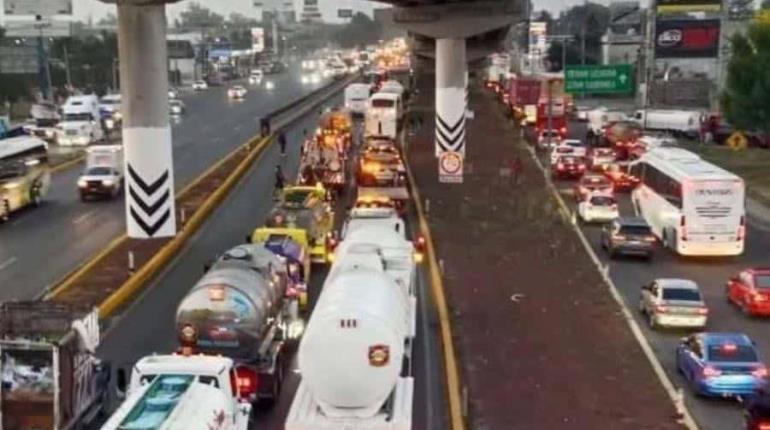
point(542, 343)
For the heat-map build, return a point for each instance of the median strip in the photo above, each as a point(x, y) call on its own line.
point(112, 277)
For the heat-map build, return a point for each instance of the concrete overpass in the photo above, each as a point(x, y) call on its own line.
point(452, 33)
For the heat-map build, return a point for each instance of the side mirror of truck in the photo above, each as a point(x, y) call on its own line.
point(121, 383)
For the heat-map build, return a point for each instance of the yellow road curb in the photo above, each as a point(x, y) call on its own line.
point(437, 287)
point(170, 249)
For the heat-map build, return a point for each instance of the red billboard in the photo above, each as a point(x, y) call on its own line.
point(681, 38)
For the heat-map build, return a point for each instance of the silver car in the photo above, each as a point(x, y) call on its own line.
point(673, 303)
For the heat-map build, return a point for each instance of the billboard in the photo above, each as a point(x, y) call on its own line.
point(38, 7)
point(537, 37)
point(679, 6)
point(681, 38)
point(257, 39)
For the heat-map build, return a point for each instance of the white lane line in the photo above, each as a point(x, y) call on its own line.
point(83, 217)
point(7, 263)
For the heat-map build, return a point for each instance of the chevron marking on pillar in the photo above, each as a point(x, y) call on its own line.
point(142, 209)
point(450, 138)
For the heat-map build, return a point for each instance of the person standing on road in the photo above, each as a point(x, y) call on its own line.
point(516, 169)
point(282, 144)
point(280, 180)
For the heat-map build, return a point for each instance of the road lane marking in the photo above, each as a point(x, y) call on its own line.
point(7, 263)
point(84, 217)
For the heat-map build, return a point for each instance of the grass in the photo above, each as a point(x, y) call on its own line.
point(752, 164)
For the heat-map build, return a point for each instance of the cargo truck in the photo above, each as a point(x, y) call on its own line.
point(242, 308)
point(307, 208)
point(355, 357)
point(51, 377)
point(523, 92)
point(178, 392)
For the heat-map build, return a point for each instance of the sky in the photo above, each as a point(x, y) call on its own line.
point(83, 9)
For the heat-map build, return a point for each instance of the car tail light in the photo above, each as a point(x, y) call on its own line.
point(650, 239)
point(702, 311)
point(710, 372)
point(683, 227)
point(247, 382)
point(618, 237)
point(757, 297)
point(661, 309)
point(560, 166)
point(741, 229)
point(581, 166)
point(563, 130)
point(759, 372)
point(763, 426)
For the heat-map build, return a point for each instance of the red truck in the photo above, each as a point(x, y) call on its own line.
point(558, 116)
point(523, 91)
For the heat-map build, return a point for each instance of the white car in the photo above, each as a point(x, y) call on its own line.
point(598, 207)
point(236, 92)
point(256, 77)
point(578, 148)
point(673, 303)
point(542, 139)
point(176, 107)
point(200, 85)
point(172, 94)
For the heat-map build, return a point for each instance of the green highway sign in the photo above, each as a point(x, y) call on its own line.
point(618, 78)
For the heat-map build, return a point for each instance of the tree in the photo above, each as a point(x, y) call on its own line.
point(197, 16)
point(361, 30)
point(109, 19)
point(554, 55)
point(240, 21)
point(765, 4)
point(744, 101)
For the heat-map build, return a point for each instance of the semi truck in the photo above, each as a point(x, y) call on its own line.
point(291, 244)
point(307, 208)
point(355, 356)
point(242, 308)
point(678, 122)
point(523, 91)
point(324, 156)
point(51, 377)
point(183, 392)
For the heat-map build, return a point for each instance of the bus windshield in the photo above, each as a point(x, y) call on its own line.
point(10, 169)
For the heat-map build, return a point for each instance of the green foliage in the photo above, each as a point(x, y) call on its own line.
point(361, 30)
point(197, 16)
point(745, 99)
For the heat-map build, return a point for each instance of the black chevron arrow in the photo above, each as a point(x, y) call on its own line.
point(149, 209)
point(448, 128)
point(450, 140)
point(149, 189)
point(150, 230)
point(443, 147)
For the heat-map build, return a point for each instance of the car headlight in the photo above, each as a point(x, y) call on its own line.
point(269, 85)
point(108, 182)
point(50, 133)
point(82, 183)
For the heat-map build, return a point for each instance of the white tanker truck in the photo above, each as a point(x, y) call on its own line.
point(242, 308)
point(366, 315)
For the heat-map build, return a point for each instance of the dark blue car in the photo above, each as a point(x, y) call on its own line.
point(721, 364)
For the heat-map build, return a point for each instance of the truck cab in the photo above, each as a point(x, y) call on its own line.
point(81, 122)
point(177, 392)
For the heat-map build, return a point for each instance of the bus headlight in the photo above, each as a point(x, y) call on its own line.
point(11, 186)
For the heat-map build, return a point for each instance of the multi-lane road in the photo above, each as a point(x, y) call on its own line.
point(41, 245)
point(147, 326)
point(710, 274)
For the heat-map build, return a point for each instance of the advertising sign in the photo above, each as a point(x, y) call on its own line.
point(38, 7)
point(679, 6)
point(257, 39)
point(537, 37)
point(680, 38)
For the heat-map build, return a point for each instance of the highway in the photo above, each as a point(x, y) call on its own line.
point(710, 274)
point(41, 245)
point(147, 326)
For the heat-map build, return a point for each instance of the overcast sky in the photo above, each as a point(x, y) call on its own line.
point(96, 9)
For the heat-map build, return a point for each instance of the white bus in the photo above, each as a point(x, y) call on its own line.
point(694, 207)
point(383, 115)
point(24, 173)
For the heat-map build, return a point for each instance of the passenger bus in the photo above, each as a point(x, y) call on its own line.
point(694, 207)
point(25, 176)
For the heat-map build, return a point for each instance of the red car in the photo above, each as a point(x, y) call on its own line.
point(750, 291)
point(622, 181)
point(592, 184)
point(568, 166)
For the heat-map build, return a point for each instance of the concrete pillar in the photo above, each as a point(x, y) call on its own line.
point(150, 206)
point(451, 95)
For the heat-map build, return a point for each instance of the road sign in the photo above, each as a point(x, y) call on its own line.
point(618, 78)
point(38, 7)
point(737, 141)
point(44, 28)
point(344, 13)
point(450, 167)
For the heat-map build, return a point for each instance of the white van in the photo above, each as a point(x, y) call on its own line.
point(356, 98)
point(81, 124)
point(694, 207)
point(679, 122)
point(383, 115)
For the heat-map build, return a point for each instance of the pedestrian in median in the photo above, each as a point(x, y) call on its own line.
point(282, 144)
point(280, 181)
point(516, 169)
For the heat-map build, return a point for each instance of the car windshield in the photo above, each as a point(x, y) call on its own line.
point(382, 103)
point(635, 230)
point(98, 171)
point(762, 281)
point(569, 160)
point(110, 101)
point(602, 201)
point(686, 294)
point(732, 353)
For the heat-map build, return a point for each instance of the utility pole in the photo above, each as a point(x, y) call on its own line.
point(67, 65)
point(275, 32)
point(549, 128)
point(43, 72)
